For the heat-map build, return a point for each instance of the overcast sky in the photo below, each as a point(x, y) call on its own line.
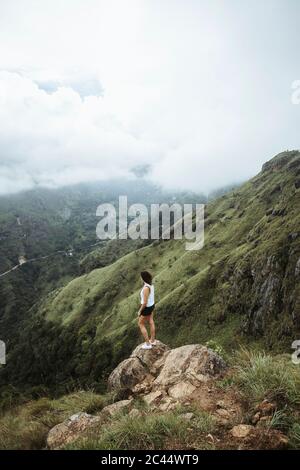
point(200, 90)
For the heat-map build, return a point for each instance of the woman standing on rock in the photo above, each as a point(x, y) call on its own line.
point(146, 310)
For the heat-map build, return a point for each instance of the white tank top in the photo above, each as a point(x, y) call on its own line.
point(150, 301)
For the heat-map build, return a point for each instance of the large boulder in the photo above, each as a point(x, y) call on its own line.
point(66, 432)
point(190, 364)
point(162, 367)
point(136, 368)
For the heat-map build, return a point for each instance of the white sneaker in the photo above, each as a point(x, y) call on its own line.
point(146, 346)
point(153, 342)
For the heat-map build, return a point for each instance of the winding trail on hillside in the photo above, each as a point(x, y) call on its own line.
point(51, 255)
point(128, 231)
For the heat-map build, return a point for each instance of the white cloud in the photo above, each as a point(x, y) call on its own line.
point(200, 90)
point(60, 138)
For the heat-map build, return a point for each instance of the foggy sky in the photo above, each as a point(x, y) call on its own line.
point(197, 91)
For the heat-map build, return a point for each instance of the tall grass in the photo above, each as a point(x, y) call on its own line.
point(152, 431)
point(27, 426)
point(295, 436)
point(261, 376)
point(20, 434)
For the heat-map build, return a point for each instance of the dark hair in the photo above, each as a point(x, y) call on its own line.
point(146, 276)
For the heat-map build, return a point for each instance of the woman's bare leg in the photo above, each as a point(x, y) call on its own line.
point(143, 328)
point(152, 327)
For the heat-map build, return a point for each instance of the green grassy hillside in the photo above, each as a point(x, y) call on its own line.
point(241, 277)
point(242, 287)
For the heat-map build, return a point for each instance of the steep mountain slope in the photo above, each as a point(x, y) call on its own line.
point(247, 270)
point(243, 286)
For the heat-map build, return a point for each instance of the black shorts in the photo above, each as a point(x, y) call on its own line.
point(147, 311)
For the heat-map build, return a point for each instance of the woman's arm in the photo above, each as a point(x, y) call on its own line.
point(146, 292)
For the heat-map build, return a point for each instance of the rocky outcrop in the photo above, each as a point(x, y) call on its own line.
point(160, 371)
point(290, 158)
point(164, 378)
point(137, 367)
point(66, 432)
point(79, 423)
point(265, 289)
